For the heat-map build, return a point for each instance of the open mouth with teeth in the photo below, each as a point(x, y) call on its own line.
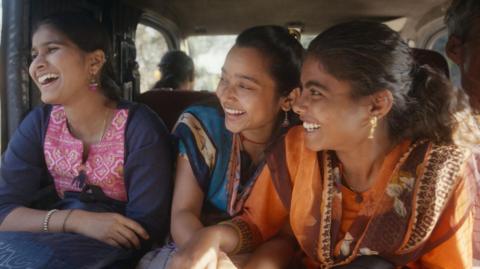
point(311, 127)
point(47, 78)
point(233, 112)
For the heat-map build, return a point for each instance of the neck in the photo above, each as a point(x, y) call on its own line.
point(255, 141)
point(87, 116)
point(362, 165)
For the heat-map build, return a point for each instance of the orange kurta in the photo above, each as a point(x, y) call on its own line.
point(322, 220)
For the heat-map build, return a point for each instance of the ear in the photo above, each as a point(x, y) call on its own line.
point(381, 103)
point(454, 49)
point(96, 60)
point(287, 102)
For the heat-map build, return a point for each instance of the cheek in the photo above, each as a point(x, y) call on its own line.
point(220, 92)
point(342, 123)
point(261, 109)
point(31, 72)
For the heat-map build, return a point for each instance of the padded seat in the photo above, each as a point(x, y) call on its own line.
point(170, 104)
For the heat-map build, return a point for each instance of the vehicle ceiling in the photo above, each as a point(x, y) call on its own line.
point(230, 17)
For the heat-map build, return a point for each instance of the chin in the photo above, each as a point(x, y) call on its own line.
point(313, 146)
point(48, 99)
point(233, 127)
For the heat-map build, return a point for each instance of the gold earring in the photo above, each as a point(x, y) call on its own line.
point(373, 125)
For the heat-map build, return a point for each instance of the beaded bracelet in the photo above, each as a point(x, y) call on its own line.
point(46, 220)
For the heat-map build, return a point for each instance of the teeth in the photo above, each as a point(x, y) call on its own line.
point(310, 126)
point(234, 111)
point(43, 78)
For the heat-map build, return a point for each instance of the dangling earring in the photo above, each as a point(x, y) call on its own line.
point(373, 125)
point(93, 85)
point(286, 121)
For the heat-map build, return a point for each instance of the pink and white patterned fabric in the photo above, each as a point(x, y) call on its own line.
point(104, 164)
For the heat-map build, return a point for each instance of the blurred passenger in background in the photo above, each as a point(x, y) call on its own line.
point(177, 72)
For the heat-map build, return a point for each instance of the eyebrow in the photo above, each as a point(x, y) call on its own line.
point(56, 42)
point(316, 84)
point(254, 80)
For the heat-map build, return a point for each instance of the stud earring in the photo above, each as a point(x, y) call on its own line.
point(373, 125)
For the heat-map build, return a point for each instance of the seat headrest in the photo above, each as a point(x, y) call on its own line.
point(170, 104)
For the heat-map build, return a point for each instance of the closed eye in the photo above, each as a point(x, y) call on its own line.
point(315, 92)
point(244, 86)
point(52, 49)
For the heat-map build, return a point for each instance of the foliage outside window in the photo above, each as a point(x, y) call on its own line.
point(208, 54)
point(151, 45)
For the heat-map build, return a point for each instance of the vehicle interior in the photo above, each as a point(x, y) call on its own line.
point(143, 30)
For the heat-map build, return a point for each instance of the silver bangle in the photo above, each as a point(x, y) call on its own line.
point(46, 220)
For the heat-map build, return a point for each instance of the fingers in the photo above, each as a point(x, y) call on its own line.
point(224, 262)
point(212, 264)
point(208, 260)
point(134, 226)
point(128, 237)
point(112, 242)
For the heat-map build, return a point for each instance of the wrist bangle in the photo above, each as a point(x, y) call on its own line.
point(46, 220)
point(65, 219)
point(245, 236)
point(239, 234)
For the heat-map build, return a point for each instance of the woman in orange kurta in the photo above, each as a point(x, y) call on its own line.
point(375, 171)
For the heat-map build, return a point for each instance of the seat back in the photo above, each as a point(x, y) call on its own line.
point(169, 104)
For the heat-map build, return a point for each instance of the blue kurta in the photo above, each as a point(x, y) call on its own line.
point(147, 173)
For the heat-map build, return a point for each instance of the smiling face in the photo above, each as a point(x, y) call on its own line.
point(59, 68)
point(247, 93)
point(332, 119)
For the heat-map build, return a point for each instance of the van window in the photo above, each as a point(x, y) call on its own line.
point(1, 30)
point(437, 43)
point(208, 54)
point(306, 39)
point(151, 45)
point(1, 13)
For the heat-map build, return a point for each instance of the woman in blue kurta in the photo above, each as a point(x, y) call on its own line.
point(221, 146)
point(107, 159)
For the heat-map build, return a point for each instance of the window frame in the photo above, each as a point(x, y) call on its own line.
point(164, 27)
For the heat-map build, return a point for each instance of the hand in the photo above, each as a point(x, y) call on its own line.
point(201, 252)
point(240, 260)
point(224, 262)
point(259, 264)
point(111, 228)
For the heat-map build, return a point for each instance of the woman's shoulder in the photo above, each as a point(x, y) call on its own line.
point(40, 111)
point(205, 111)
point(295, 133)
point(292, 149)
point(37, 118)
point(141, 117)
point(295, 142)
point(210, 117)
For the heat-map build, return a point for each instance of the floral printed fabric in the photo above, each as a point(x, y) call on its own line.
point(104, 164)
